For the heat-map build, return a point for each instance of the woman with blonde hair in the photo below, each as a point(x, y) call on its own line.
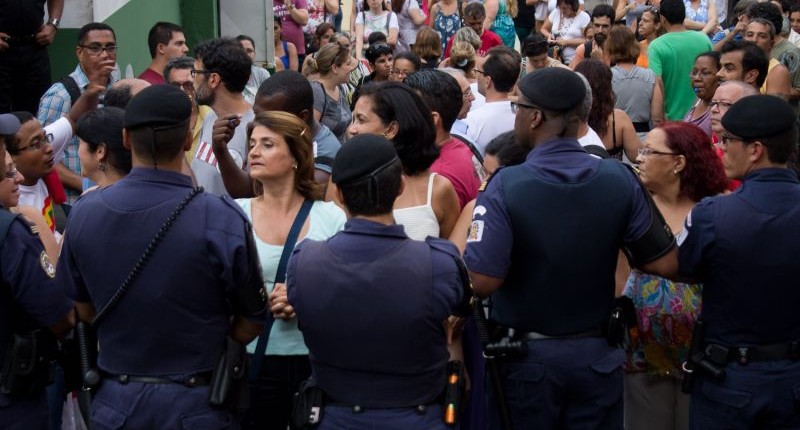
point(463, 57)
point(428, 47)
point(332, 64)
point(281, 161)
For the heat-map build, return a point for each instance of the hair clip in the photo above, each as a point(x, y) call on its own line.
point(303, 133)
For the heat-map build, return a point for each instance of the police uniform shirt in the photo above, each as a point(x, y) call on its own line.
point(744, 248)
point(176, 312)
point(491, 235)
point(28, 276)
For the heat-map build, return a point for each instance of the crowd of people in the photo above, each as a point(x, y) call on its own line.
point(460, 214)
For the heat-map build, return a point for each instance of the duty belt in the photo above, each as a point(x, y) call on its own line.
point(532, 335)
point(722, 355)
point(198, 380)
point(21, 39)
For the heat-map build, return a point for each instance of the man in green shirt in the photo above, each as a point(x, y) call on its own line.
point(672, 56)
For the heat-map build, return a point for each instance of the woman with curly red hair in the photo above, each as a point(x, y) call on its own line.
point(679, 167)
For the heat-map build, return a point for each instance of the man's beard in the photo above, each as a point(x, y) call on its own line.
point(203, 95)
point(599, 39)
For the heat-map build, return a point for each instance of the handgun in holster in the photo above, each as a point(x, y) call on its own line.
point(229, 387)
point(710, 360)
point(622, 327)
point(29, 363)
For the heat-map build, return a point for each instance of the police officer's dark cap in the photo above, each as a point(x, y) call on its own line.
point(361, 157)
point(553, 88)
point(158, 106)
point(757, 116)
point(9, 124)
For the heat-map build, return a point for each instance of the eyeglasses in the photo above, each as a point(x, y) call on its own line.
point(701, 73)
point(202, 72)
point(467, 93)
point(727, 138)
point(96, 49)
point(399, 72)
point(516, 105)
point(480, 71)
point(719, 103)
point(12, 173)
point(185, 86)
point(654, 10)
point(38, 143)
point(646, 152)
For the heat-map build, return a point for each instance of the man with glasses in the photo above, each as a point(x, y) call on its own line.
point(496, 79)
point(727, 93)
point(37, 149)
point(743, 247)
point(221, 70)
point(178, 72)
point(544, 242)
point(97, 57)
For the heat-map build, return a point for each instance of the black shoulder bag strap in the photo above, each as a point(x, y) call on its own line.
point(280, 277)
point(148, 252)
point(72, 88)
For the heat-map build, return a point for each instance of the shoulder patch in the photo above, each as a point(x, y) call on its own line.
point(475, 231)
point(47, 266)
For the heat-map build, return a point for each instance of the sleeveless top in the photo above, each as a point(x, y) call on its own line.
point(419, 221)
point(285, 57)
point(503, 25)
point(446, 26)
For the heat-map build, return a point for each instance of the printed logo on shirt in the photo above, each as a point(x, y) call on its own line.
point(205, 153)
point(475, 231)
point(48, 213)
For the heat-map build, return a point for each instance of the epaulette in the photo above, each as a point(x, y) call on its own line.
point(485, 183)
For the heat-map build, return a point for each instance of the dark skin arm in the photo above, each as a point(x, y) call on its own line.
point(47, 33)
point(63, 326)
point(237, 181)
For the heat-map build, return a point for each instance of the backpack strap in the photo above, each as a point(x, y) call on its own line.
point(597, 150)
point(471, 147)
point(72, 88)
point(587, 50)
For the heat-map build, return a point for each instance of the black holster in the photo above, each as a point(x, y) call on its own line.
point(28, 366)
point(710, 362)
point(454, 392)
point(622, 325)
point(229, 387)
point(307, 406)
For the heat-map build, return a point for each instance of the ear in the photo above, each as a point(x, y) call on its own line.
point(757, 152)
point(214, 80)
point(304, 115)
point(437, 119)
point(126, 139)
point(536, 118)
point(160, 48)
point(402, 184)
point(681, 163)
point(102, 152)
point(751, 76)
point(392, 130)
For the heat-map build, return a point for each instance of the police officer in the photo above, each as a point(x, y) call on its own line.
point(31, 308)
point(743, 247)
point(161, 334)
point(377, 343)
point(544, 243)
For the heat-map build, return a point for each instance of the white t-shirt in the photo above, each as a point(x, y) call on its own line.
point(376, 23)
point(37, 197)
point(591, 138)
point(479, 101)
point(569, 28)
point(489, 121)
point(204, 163)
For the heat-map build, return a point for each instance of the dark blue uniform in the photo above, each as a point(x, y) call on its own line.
point(744, 248)
point(370, 303)
point(27, 278)
point(552, 228)
point(173, 321)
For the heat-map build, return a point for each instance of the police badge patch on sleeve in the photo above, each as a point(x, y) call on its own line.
point(475, 231)
point(47, 266)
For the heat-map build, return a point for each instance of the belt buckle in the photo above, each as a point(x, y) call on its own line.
point(191, 382)
point(743, 355)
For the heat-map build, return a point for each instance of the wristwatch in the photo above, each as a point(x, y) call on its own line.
point(54, 22)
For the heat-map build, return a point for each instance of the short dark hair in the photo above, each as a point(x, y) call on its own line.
point(506, 149)
point(604, 10)
point(415, 140)
point(118, 96)
point(243, 37)
point(767, 11)
point(502, 65)
point(376, 37)
point(151, 142)
point(535, 44)
point(410, 56)
point(179, 63)
point(753, 58)
point(374, 195)
point(376, 50)
point(12, 143)
point(161, 33)
point(93, 125)
point(713, 55)
point(93, 26)
point(226, 57)
point(674, 11)
point(475, 9)
point(573, 4)
point(296, 88)
point(440, 92)
point(782, 147)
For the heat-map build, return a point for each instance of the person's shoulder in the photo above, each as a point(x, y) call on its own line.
point(491, 36)
point(222, 207)
point(443, 246)
point(328, 211)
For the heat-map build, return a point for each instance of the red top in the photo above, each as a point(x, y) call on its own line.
point(489, 40)
point(455, 164)
point(151, 76)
